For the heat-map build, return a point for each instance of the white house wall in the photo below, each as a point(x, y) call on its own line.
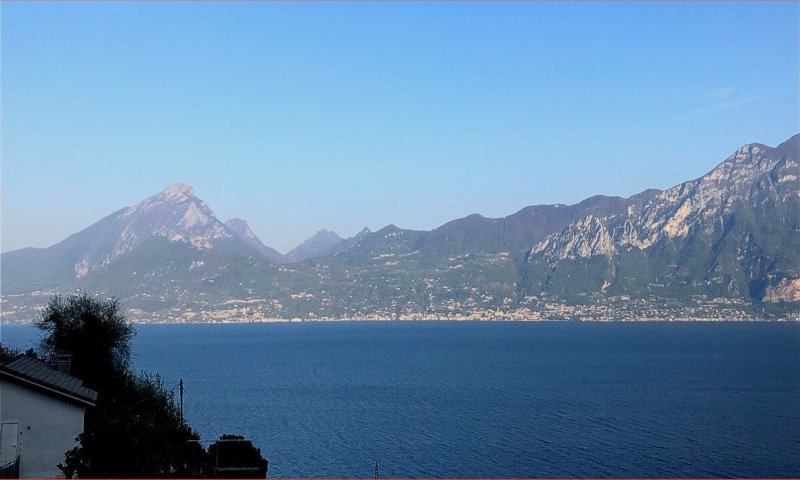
point(47, 427)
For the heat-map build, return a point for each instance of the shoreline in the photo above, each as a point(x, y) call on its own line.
point(446, 320)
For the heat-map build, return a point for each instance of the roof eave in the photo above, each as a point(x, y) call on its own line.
point(82, 401)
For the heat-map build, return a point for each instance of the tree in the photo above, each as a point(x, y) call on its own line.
point(9, 354)
point(94, 331)
point(234, 457)
point(138, 433)
point(135, 429)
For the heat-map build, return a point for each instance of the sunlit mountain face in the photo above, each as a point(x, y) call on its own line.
point(724, 245)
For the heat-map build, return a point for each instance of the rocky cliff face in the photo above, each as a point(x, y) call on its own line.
point(741, 217)
point(176, 214)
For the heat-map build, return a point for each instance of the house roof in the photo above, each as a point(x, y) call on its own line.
point(43, 377)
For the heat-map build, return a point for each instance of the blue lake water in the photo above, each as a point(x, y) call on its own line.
point(438, 399)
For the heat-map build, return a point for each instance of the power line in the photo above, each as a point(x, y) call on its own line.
point(201, 413)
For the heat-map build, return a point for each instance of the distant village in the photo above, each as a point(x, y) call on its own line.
point(22, 309)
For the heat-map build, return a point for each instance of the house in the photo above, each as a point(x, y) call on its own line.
point(42, 410)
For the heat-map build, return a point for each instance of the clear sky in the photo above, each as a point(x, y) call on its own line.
point(301, 116)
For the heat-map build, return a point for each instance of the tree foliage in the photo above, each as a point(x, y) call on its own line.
point(8, 354)
point(234, 457)
point(94, 331)
point(135, 430)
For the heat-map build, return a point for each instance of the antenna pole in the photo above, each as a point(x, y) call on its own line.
point(180, 386)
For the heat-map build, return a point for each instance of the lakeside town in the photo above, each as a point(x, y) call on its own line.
point(23, 309)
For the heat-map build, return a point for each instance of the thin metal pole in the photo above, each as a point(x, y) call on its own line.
point(180, 384)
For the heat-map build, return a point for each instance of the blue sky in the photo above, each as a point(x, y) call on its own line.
point(301, 116)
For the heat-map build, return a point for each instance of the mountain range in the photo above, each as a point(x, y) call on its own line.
point(722, 246)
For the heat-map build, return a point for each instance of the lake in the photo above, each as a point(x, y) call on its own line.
point(473, 399)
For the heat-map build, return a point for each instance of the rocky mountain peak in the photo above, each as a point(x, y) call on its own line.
point(178, 191)
point(240, 227)
point(178, 198)
point(699, 205)
point(736, 173)
point(318, 244)
point(325, 234)
point(175, 213)
point(791, 146)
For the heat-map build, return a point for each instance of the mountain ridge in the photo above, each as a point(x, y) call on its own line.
point(723, 245)
point(319, 244)
point(710, 228)
point(242, 229)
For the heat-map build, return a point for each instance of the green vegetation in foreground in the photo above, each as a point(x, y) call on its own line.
point(135, 430)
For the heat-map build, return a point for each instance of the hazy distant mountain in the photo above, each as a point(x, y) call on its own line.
point(317, 245)
point(350, 242)
point(726, 245)
point(243, 231)
point(173, 220)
